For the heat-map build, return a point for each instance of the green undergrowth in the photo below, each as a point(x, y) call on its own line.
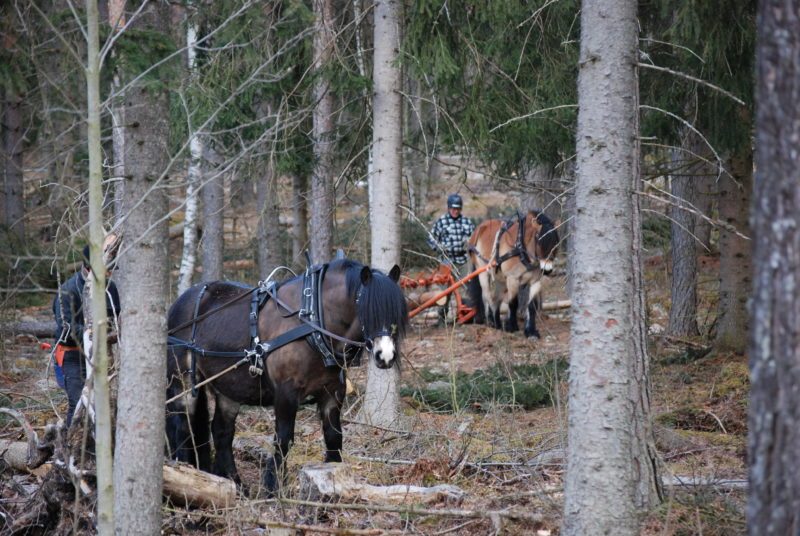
point(522, 386)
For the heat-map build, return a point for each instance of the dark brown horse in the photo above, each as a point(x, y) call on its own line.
point(303, 334)
point(523, 249)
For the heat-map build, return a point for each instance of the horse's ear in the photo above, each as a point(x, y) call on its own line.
point(394, 273)
point(366, 275)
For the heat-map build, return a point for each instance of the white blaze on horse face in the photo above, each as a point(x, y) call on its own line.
point(546, 265)
point(384, 351)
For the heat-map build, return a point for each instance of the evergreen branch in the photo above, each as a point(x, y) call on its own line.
point(709, 85)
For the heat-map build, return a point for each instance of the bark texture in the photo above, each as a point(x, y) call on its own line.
point(735, 276)
point(611, 471)
point(299, 217)
point(269, 225)
point(213, 193)
point(381, 400)
point(13, 189)
point(774, 411)
point(322, 195)
point(194, 176)
point(683, 286)
point(142, 382)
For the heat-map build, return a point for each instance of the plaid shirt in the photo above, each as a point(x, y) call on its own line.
point(450, 236)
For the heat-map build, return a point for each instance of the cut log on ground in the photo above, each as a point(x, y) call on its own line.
point(39, 329)
point(187, 486)
point(328, 481)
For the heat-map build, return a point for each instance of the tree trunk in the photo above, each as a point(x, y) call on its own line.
point(213, 192)
point(13, 187)
point(683, 289)
point(194, 175)
point(299, 217)
point(322, 195)
point(774, 411)
point(381, 400)
point(610, 477)
point(116, 20)
point(142, 383)
point(96, 316)
point(269, 226)
point(735, 277)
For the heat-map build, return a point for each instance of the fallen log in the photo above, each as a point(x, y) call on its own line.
point(40, 329)
point(327, 481)
point(30, 454)
point(187, 486)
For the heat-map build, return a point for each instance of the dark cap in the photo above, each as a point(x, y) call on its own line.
point(453, 201)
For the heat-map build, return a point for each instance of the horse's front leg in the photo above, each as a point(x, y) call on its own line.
point(511, 301)
point(534, 290)
point(286, 405)
point(222, 429)
point(490, 307)
point(330, 408)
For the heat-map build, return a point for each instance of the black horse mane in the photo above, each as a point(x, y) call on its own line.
point(381, 303)
point(548, 236)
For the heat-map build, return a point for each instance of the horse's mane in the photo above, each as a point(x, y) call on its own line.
point(548, 235)
point(381, 303)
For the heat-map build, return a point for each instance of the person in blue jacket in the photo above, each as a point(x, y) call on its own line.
point(450, 233)
point(68, 313)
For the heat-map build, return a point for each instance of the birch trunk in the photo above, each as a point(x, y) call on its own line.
point(381, 400)
point(194, 175)
point(774, 410)
point(610, 477)
point(99, 353)
point(139, 441)
point(322, 200)
point(116, 20)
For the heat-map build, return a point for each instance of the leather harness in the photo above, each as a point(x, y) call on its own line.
point(519, 249)
point(311, 328)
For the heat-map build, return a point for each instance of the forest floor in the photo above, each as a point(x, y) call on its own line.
point(482, 410)
point(461, 426)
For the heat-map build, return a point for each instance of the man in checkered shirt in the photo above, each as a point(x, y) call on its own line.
point(450, 233)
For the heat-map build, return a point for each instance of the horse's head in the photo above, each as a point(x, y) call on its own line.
point(546, 236)
point(383, 314)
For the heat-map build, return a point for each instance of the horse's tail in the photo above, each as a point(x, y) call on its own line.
point(187, 426)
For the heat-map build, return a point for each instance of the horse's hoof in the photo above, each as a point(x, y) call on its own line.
point(532, 334)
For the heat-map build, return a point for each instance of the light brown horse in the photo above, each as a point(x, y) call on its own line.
point(523, 249)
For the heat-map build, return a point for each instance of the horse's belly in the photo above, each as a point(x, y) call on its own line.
point(240, 386)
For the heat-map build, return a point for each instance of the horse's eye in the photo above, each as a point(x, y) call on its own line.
point(368, 344)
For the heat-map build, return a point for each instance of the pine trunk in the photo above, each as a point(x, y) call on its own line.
point(269, 225)
point(735, 277)
point(683, 289)
point(299, 217)
point(13, 188)
point(381, 401)
point(139, 438)
point(322, 195)
point(610, 477)
point(213, 193)
point(774, 410)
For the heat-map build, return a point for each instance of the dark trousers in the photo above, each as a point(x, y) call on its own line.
point(74, 375)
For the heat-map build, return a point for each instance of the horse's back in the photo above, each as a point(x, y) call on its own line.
point(482, 240)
